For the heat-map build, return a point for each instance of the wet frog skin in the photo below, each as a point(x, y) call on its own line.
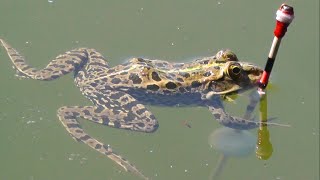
point(119, 94)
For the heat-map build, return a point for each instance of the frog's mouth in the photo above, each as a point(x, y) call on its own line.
point(234, 89)
point(227, 88)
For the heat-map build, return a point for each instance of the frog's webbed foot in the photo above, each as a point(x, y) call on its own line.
point(68, 116)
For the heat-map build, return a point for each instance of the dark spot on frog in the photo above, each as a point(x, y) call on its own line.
point(135, 79)
point(141, 125)
point(116, 95)
point(72, 125)
point(140, 111)
point(64, 72)
point(18, 60)
point(124, 73)
point(171, 85)
point(181, 89)
point(205, 62)
point(110, 71)
point(93, 84)
point(184, 74)
point(166, 92)
point(116, 80)
point(116, 124)
point(207, 74)
point(155, 76)
point(180, 80)
point(217, 116)
point(105, 120)
point(76, 114)
point(195, 84)
point(98, 146)
point(153, 87)
point(86, 112)
point(99, 109)
point(141, 60)
point(85, 137)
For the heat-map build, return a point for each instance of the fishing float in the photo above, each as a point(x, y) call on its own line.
point(284, 17)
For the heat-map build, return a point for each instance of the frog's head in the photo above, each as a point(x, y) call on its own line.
point(235, 76)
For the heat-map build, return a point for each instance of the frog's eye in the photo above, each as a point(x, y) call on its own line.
point(234, 70)
point(226, 55)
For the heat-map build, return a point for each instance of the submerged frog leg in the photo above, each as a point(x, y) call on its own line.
point(63, 64)
point(68, 116)
point(254, 99)
point(216, 108)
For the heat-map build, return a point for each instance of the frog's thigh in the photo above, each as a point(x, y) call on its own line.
point(120, 110)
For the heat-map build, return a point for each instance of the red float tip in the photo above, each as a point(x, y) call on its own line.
point(285, 14)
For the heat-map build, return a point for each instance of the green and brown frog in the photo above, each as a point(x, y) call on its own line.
point(119, 94)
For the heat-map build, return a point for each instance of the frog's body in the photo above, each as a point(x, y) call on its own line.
point(119, 94)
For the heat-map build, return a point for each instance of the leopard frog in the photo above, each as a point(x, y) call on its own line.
point(119, 94)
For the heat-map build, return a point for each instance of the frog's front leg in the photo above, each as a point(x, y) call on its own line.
point(217, 109)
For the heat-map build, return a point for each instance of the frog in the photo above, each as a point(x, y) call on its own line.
point(120, 95)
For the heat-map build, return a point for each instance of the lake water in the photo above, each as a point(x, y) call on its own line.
point(35, 146)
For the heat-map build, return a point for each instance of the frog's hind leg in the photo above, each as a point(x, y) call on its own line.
point(121, 110)
point(68, 116)
point(112, 108)
point(63, 64)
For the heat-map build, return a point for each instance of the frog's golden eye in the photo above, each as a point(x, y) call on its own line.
point(234, 70)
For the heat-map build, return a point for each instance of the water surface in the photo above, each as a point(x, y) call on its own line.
point(35, 146)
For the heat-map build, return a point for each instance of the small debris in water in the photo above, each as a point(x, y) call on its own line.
point(30, 122)
point(186, 123)
point(50, 1)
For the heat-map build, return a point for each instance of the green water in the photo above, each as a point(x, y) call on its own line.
point(35, 146)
